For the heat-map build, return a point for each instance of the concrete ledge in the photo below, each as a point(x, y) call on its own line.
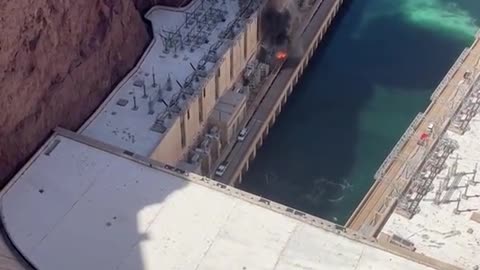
point(384, 240)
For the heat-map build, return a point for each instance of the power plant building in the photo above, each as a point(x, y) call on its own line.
point(187, 88)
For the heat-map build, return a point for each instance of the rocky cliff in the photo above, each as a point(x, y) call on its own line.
point(58, 60)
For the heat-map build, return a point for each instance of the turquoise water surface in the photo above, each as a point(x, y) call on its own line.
point(372, 74)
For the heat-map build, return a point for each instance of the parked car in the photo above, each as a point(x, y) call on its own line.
point(221, 169)
point(430, 127)
point(243, 133)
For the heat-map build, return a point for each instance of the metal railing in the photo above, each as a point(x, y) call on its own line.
point(450, 74)
point(396, 149)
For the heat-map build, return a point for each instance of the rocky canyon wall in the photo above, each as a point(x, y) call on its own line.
point(58, 61)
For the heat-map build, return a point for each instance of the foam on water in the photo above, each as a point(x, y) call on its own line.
point(440, 15)
point(445, 16)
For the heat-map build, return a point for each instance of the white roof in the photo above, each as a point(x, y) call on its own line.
point(130, 129)
point(80, 207)
point(436, 231)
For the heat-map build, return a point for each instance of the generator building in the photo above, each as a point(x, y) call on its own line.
point(187, 96)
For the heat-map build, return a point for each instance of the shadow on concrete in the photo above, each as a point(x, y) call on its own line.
point(100, 214)
point(352, 104)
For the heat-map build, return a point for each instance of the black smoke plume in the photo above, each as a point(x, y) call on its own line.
point(277, 27)
point(277, 22)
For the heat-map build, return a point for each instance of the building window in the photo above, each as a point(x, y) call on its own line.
point(204, 92)
point(231, 62)
point(188, 114)
point(217, 86)
point(245, 42)
point(200, 108)
point(258, 29)
point(182, 132)
point(234, 129)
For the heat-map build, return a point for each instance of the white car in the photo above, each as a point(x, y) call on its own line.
point(221, 169)
point(243, 133)
point(430, 127)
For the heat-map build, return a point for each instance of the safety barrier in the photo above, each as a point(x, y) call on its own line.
point(396, 149)
point(450, 74)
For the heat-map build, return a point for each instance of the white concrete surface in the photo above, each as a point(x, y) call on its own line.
point(84, 208)
point(130, 129)
point(436, 231)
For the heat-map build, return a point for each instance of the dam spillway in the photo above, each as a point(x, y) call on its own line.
point(374, 72)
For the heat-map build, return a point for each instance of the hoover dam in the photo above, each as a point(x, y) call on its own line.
point(186, 163)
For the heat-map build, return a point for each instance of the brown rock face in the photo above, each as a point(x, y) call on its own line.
point(58, 60)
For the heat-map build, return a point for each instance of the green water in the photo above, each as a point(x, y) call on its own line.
point(373, 73)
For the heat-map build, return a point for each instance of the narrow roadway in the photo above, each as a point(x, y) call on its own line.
point(316, 18)
point(257, 100)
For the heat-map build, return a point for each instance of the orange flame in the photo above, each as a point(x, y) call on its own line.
point(281, 55)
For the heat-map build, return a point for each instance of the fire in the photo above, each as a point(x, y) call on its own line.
point(281, 55)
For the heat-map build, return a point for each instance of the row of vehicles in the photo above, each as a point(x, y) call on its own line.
point(224, 165)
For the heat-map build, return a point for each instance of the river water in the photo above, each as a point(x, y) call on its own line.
point(371, 76)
